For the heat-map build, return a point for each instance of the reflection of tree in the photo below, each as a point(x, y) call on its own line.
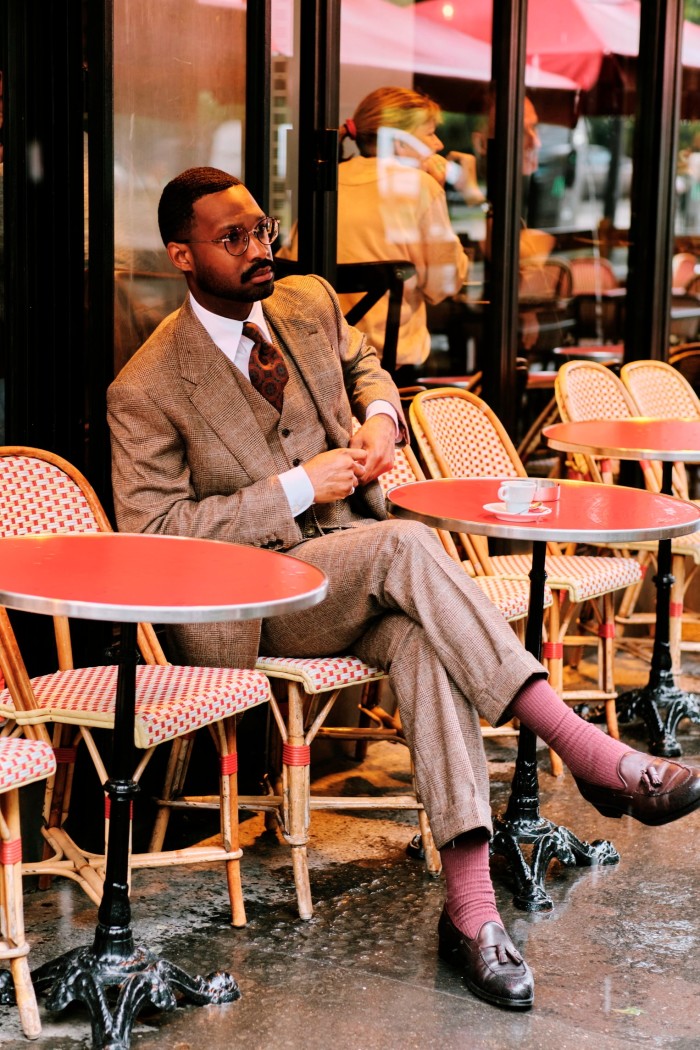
point(692, 10)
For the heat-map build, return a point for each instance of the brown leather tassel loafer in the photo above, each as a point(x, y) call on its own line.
point(653, 790)
point(491, 965)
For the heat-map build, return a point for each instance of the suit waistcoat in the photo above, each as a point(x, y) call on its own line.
point(296, 436)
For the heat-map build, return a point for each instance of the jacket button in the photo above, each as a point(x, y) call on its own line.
point(296, 462)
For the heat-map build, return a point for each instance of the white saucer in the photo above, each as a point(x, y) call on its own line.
point(499, 509)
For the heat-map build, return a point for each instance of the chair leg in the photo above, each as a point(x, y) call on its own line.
point(606, 663)
point(433, 862)
point(553, 655)
point(225, 736)
point(12, 913)
point(173, 786)
point(58, 789)
point(296, 761)
point(676, 613)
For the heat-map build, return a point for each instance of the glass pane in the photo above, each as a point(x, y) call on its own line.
point(284, 115)
point(685, 273)
point(2, 275)
point(179, 101)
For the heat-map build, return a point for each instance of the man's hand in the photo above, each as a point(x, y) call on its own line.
point(336, 474)
point(377, 436)
point(466, 182)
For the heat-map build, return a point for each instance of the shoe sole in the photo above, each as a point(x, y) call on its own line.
point(449, 955)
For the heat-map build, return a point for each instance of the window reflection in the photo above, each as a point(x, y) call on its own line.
point(179, 101)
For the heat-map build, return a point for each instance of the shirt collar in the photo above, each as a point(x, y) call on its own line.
point(225, 331)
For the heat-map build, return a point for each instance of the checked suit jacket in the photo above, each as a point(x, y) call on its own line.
point(190, 456)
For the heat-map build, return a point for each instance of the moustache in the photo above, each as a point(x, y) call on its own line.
point(260, 264)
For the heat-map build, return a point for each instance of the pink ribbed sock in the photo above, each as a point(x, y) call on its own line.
point(469, 900)
point(588, 752)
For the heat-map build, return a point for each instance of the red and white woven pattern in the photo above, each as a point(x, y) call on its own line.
point(24, 761)
point(170, 701)
point(511, 597)
point(593, 393)
point(38, 497)
point(661, 391)
point(319, 674)
point(583, 576)
point(467, 440)
point(402, 473)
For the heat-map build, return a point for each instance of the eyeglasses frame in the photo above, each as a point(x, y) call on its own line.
point(255, 232)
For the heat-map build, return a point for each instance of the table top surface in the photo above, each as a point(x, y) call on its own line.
point(584, 511)
point(634, 438)
point(165, 579)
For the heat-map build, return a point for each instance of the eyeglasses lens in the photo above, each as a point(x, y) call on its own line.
point(238, 239)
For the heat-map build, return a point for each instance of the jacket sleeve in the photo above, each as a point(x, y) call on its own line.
point(364, 378)
point(165, 482)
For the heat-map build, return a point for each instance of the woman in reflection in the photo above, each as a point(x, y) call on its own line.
point(392, 205)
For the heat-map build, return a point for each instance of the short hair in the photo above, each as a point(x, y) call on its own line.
point(393, 107)
point(175, 208)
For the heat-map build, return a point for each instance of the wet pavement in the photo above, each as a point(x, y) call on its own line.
point(614, 961)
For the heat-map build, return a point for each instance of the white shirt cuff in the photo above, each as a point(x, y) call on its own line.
point(386, 408)
point(298, 489)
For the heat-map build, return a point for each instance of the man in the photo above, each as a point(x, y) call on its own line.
point(203, 447)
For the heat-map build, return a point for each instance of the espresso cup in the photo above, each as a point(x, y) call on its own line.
point(518, 494)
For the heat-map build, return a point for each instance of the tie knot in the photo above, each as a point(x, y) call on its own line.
point(251, 331)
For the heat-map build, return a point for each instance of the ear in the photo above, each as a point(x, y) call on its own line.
point(180, 256)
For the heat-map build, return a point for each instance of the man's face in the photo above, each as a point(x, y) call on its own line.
point(223, 283)
point(531, 140)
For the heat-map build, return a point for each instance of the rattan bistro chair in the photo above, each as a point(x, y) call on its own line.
point(462, 437)
point(22, 762)
point(586, 390)
point(42, 493)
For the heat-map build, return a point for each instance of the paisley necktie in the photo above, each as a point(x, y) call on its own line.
point(267, 370)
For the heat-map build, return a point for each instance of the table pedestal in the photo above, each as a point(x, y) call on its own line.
point(521, 823)
point(115, 977)
point(661, 690)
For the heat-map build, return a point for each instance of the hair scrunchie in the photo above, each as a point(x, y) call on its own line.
point(350, 128)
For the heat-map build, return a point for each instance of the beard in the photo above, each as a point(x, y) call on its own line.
point(212, 282)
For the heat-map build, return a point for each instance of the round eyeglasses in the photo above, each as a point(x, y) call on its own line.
point(237, 239)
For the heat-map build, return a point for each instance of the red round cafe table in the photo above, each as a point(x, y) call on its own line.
point(167, 579)
point(132, 578)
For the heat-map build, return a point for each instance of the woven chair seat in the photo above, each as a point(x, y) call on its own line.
point(581, 575)
point(24, 761)
point(511, 597)
point(319, 674)
point(170, 700)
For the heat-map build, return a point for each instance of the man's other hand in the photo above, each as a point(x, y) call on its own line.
point(337, 473)
point(377, 436)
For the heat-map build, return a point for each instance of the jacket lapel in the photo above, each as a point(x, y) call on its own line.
point(216, 394)
point(304, 340)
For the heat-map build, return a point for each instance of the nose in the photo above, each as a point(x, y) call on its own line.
point(257, 249)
